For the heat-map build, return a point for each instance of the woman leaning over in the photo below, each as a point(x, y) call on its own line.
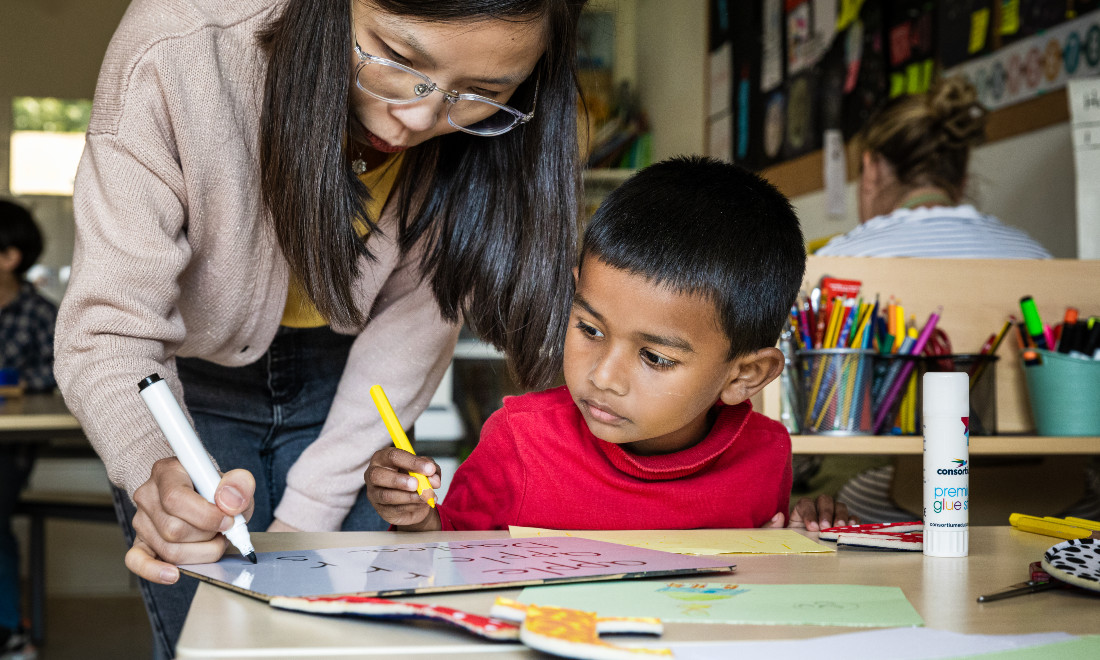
point(282, 203)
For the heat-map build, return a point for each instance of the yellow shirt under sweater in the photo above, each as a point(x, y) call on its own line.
point(300, 311)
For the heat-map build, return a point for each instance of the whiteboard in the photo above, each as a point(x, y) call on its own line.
point(420, 568)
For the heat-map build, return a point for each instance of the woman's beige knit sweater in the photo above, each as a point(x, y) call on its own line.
point(175, 255)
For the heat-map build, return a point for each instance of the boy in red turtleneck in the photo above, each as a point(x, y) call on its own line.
point(686, 276)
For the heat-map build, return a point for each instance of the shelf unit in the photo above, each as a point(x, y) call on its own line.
point(908, 445)
point(599, 182)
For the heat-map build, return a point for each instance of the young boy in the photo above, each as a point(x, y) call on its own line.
point(26, 347)
point(686, 276)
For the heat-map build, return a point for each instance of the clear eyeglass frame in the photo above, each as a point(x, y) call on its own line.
point(492, 125)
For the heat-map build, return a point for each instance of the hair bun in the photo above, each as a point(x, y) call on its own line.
point(953, 103)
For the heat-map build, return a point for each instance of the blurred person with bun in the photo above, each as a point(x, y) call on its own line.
point(914, 155)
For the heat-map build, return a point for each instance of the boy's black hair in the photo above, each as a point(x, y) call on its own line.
point(18, 230)
point(701, 226)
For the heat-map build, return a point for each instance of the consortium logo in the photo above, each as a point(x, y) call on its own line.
point(960, 468)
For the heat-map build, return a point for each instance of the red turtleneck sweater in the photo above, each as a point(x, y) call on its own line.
point(538, 465)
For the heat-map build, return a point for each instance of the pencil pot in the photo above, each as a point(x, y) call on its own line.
point(895, 397)
point(835, 384)
point(1064, 393)
point(982, 370)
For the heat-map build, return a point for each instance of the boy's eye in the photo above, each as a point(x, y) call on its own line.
point(656, 360)
point(589, 330)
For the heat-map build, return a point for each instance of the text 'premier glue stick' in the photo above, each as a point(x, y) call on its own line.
point(946, 464)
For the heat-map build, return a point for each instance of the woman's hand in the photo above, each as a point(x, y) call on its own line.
point(393, 492)
point(175, 525)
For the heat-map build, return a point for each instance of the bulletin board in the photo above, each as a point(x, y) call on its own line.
point(800, 67)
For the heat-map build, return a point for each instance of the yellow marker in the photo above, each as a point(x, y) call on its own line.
point(400, 440)
point(1082, 522)
point(1046, 527)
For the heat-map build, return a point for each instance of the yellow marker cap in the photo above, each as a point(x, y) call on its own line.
point(1037, 525)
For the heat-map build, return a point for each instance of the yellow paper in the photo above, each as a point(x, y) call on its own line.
point(979, 27)
point(848, 14)
point(693, 541)
point(1010, 17)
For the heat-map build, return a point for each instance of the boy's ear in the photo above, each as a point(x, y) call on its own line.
point(10, 258)
point(750, 373)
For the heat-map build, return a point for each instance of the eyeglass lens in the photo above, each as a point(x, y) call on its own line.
point(396, 85)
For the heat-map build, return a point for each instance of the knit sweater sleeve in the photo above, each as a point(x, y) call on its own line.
point(118, 320)
point(487, 489)
point(406, 347)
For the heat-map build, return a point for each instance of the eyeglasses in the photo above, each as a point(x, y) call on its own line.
point(396, 83)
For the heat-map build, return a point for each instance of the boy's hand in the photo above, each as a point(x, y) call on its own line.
point(816, 515)
point(393, 492)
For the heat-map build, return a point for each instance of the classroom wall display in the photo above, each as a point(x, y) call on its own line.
point(802, 67)
point(1036, 64)
point(910, 45)
point(421, 568)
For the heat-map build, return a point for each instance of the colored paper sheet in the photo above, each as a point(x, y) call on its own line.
point(893, 643)
point(694, 541)
point(1082, 648)
point(756, 604)
point(416, 568)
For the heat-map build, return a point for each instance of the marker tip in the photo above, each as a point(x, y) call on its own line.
point(251, 557)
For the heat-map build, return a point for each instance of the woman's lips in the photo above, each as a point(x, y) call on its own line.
point(379, 144)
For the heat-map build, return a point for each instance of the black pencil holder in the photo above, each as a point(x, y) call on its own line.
point(835, 388)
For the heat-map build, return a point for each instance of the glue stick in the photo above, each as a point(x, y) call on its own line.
point(946, 464)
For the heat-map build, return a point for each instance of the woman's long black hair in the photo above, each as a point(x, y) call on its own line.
point(500, 213)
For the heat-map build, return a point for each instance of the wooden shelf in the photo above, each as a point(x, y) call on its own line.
point(897, 445)
point(612, 175)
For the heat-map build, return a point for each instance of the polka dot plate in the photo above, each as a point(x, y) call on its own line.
point(1076, 562)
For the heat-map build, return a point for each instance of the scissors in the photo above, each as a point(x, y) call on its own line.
point(1039, 580)
point(940, 345)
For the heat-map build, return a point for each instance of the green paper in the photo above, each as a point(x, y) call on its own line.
point(757, 604)
point(1082, 648)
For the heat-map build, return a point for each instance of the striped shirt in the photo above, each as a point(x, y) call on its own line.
point(26, 338)
point(958, 232)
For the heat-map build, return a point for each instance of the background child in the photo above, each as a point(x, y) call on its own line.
point(26, 347)
point(686, 276)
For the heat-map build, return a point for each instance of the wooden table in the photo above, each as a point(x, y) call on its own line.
point(37, 418)
point(44, 423)
point(223, 624)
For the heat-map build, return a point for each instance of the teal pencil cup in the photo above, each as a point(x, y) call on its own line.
point(1063, 392)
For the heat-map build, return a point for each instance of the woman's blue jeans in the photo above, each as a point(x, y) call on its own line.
point(259, 417)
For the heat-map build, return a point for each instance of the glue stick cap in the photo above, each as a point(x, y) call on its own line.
point(946, 542)
point(946, 393)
